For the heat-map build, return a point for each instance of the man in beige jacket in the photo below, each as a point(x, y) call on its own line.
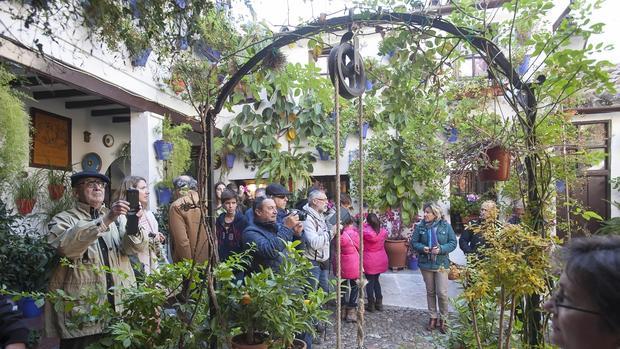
point(88, 237)
point(188, 237)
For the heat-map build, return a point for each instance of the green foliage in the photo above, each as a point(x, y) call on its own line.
point(14, 130)
point(282, 167)
point(49, 208)
point(280, 303)
point(25, 256)
point(57, 177)
point(28, 185)
point(468, 205)
point(181, 154)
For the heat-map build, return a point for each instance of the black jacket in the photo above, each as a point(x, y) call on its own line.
point(12, 327)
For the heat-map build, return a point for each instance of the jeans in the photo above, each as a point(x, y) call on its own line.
point(319, 275)
point(373, 288)
point(436, 292)
point(349, 291)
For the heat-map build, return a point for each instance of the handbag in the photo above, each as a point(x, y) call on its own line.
point(454, 273)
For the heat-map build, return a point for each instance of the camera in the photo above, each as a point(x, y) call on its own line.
point(300, 214)
point(134, 206)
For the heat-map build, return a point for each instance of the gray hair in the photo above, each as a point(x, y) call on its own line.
point(435, 209)
point(314, 194)
point(260, 192)
point(185, 181)
point(594, 263)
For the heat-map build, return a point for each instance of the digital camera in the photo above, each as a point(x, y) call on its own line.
point(300, 214)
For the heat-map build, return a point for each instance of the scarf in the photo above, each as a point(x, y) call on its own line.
point(432, 237)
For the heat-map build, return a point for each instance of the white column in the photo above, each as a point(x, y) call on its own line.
point(146, 128)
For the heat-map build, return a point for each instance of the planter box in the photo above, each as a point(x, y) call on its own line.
point(501, 157)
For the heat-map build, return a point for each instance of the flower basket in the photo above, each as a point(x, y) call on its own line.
point(56, 191)
point(499, 157)
point(163, 149)
point(25, 206)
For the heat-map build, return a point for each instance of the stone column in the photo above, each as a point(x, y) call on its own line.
point(146, 128)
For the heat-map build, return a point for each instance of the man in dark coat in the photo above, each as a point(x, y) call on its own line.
point(13, 331)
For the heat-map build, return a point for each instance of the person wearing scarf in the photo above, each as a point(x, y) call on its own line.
point(434, 239)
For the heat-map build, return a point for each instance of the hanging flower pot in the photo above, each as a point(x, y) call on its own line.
point(452, 134)
point(323, 155)
point(140, 59)
point(397, 253)
point(163, 149)
point(365, 127)
point(25, 206)
point(500, 160)
point(230, 160)
point(56, 191)
point(164, 195)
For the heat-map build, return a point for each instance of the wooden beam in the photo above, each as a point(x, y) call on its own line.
point(106, 112)
point(120, 119)
point(87, 104)
point(57, 94)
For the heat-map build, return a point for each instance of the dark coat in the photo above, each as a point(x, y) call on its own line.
point(12, 327)
point(230, 243)
point(269, 240)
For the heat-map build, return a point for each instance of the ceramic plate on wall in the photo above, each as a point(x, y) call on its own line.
point(91, 162)
point(108, 140)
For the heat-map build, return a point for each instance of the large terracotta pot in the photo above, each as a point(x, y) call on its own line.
point(56, 191)
point(501, 157)
point(238, 342)
point(397, 253)
point(25, 206)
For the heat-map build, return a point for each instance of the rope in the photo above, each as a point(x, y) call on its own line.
point(362, 280)
point(337, 155)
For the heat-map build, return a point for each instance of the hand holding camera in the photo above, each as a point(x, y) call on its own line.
point(293, 222)
point(132, 214)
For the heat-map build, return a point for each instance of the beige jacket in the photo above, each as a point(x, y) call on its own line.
point(188, 237)
point(75, 235)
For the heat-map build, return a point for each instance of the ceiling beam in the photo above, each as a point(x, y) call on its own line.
point(106, 112)
point(38, 95)
point(120, 119)
point(87, 104)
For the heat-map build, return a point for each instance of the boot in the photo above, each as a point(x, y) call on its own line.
point(443, 328)
point(432, 324)
point(351, 315)
point(379, 304)
point(370, 306)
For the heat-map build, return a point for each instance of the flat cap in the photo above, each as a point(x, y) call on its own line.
point(276, 189)
point(76, 177)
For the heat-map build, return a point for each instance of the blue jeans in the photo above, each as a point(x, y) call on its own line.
point(319, 275)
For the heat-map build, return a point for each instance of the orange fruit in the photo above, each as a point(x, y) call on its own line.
point(246, 299)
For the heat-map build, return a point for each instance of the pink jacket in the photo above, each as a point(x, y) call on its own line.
point(375, 258)
point(349, 255)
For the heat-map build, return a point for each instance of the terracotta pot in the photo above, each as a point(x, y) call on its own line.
point(25, 206)
point(397, 253)
point(238, 342)
point(56, 191)
point(500, 157)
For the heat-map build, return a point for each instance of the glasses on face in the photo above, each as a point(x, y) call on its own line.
point(283, 197)
point(558, 298)
point(93, 184)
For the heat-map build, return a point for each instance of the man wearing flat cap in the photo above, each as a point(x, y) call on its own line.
point(279, 195)
point(88, 237)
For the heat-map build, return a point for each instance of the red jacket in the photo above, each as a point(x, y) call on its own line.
point(349, 255)
point(375, 258)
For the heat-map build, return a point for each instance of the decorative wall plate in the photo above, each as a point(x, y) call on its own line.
point(108, 140)
point(91, 162)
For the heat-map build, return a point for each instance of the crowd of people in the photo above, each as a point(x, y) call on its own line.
point(584, 310)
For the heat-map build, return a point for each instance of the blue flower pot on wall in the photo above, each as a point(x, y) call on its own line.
point(163, 149)
point(140, 59)
point(323, 155)
point(29, 308)
point(164, 195)
point(230, 160)
point(365, 127)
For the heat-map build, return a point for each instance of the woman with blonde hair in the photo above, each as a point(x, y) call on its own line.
point(147, 224)
point(433, 239)
point(470, 242)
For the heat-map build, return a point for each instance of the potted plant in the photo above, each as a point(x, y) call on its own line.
point(269, 308)
point(26, 260)
point(396, 245)
point(467, 207)
point(26, 192)
point(163, 149)
point(56, 183)
point(163, 190)
point(496, 165)
point(324, 145)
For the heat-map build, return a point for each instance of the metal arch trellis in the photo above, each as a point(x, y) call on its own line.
point(493, 56)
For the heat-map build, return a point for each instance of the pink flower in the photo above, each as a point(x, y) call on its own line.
point(472, 197)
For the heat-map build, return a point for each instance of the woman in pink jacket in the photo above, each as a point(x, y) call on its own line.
point(375, 260)
point(349, 266)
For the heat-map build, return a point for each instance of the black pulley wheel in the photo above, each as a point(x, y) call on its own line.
point(341, 63)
